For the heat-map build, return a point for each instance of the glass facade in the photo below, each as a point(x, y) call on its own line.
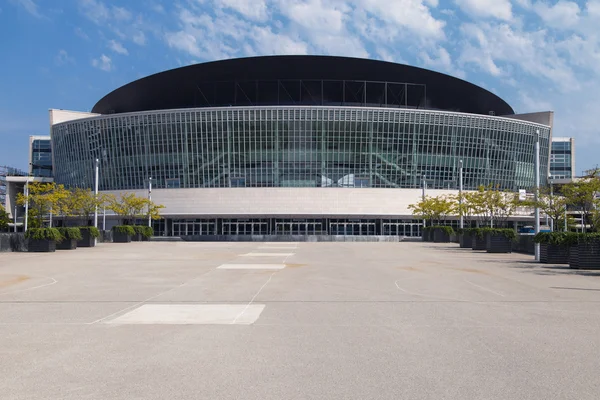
point(297, 147)
point(561, 159)
point(41, 158)
point(4, 172)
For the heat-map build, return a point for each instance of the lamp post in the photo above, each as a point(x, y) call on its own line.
point(537, 192)
point(149, 200)
point(460, 188)
point(423, 195)
point(15, 219)
point(96, 195)
point(26, 204)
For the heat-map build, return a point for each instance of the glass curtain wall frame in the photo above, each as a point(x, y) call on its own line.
point(297, 147)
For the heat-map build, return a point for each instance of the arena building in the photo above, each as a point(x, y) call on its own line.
point(303, 145)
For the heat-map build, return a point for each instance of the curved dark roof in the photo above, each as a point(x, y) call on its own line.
point(301, 80)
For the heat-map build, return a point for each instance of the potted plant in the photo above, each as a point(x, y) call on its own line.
point(69, 236)
point(147, 233)
point(42, 239)
point(554, 248)
point(139, 231)
point(441, 234)
point(478, 239)
point(465, 238)
point(89, 234)
point(499, 240)
point(122, 233)
point(588, 251)
point(427, 234)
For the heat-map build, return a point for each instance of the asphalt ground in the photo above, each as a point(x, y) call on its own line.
point(295, 321)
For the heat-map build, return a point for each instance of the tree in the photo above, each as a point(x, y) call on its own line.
point(551, 204)
point(435, 209)
point(65, 205)
point(131, 207)
point(4, 220)
point(42, 199)
point(86, 203)
point(490, 206)
point(583, 195)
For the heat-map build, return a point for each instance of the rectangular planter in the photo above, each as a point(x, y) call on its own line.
point(87, 240)
point(478, 243)
point(498, 244)
point(554, 254)
point(137, 237)
point(427, 235)
point(41, 246)
point(67, 244)
point(588, 255)
point(119, 237)
point(439, 236)
point(574, 257)
point(466, 241)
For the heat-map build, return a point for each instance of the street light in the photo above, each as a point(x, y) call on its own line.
point(149, 200)
point(96, 194)
point(423, 195)
point(26, 204)
point(537, 192)
point(460, 188)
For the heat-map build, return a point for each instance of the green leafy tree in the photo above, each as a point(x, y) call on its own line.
point(42, 199)
point(582, 195)
point(491, 206)
point(131, 207)
point(436, 210)
point(4, 220)
point(551, 204)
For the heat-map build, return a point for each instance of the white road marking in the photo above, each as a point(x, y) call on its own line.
point(267, 254)
point(277, 247)
point(54, 281)
point(429, 296)
point(252, 300)
point(251, 266)
point(192, 314)
point(148, 299)
point(484, 288)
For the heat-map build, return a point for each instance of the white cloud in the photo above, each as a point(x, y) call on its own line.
point(30, 6)
point(563, 14)
point(79, 32)
point(500, 9)
point(439, 58)
point(532, 52)
point(94, 10)
point(117, 47)
point(103, 62)
point(272, 43)
point(121, 13)
point(251, 9)
point(399, 15)
point(139, 38)
point(63, 58)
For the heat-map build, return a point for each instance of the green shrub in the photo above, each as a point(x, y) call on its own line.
point(44, 234)
point(94, 232)
point(124, 229)
point(148, 232)
point(588, 237)
point(556, 238)
point(446, 229)
point(144, 230)
point(479, 232)
point(506, 232)
point(70, 233)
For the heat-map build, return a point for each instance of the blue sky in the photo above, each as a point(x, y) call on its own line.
point(536, 54)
